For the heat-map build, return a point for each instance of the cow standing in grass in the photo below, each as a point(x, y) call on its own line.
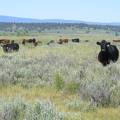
point(116, 41)
point(10, 47)
point(50, 42)
point(108, 53)
point(4, 41)
point(76, 40)
point(61, 41)
point(29, 41)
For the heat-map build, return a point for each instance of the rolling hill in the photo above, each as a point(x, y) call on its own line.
point(10, 19)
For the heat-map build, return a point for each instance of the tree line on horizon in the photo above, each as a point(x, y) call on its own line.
point(27, 28)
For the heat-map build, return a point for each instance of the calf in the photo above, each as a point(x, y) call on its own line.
point(108, 53)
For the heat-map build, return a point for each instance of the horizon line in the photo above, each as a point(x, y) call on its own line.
point(78, 20)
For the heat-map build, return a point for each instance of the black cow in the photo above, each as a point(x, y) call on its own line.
point(108, 53)
point(76, 40)
point(10, 47)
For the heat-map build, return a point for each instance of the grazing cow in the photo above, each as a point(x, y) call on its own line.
point(4, 41)
point(61, 41)
point(108, 53)
point(28, 41)
point(52, 41)
point(116, 40)
point(76, 40)
point(10, 47)
point(86, 40)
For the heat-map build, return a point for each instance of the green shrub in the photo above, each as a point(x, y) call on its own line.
point(59, 82)
point(42, 110)
point(72, 87)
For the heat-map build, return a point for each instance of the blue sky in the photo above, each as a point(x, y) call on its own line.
point(86, 10)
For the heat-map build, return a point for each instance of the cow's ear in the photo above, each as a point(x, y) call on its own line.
point(98, 43)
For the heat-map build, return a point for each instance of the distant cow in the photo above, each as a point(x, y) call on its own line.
point(116, 40)
point(28, 41)
point(51, 41)
point(10, 47)
point(108, 53)
point(61, 41)
point(4, 41)
point(86, 40)
point(76, 40)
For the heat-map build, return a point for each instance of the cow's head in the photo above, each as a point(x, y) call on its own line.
point(103, 44)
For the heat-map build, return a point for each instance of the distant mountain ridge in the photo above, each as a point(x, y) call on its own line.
point(8, 19)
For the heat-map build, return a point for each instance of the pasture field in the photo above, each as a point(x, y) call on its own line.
point(57, 82)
